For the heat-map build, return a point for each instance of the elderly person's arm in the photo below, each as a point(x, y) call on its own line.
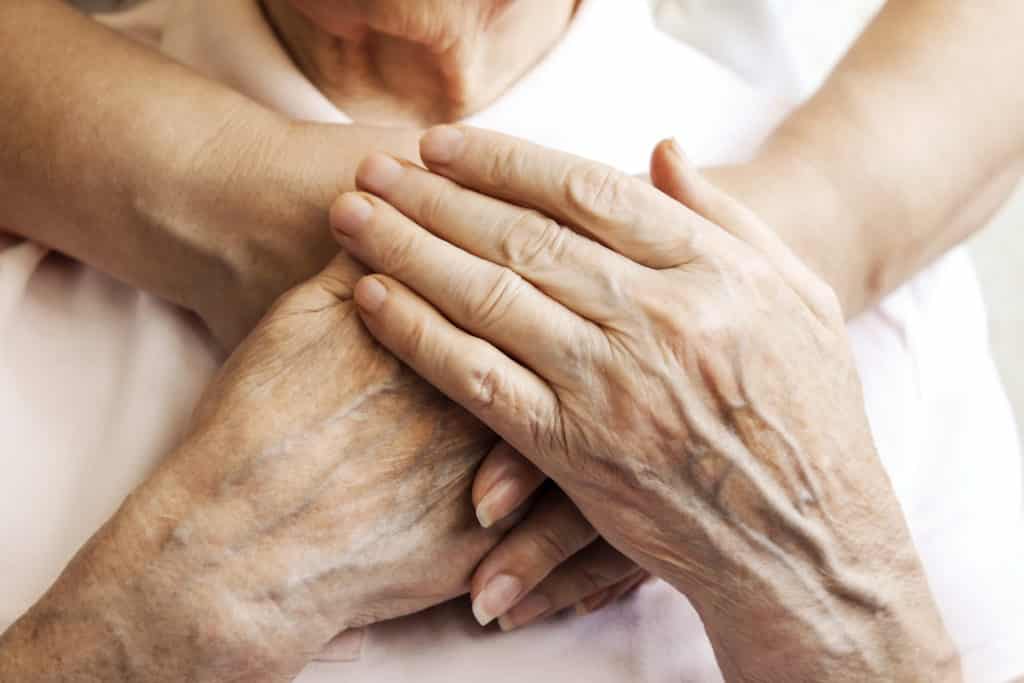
point(684, 379)
point(322, 486)
point(147, 171)
point(909, 147)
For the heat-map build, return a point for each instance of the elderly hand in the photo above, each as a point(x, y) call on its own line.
point(550, 560)
point(323, 486)
point(688, 385)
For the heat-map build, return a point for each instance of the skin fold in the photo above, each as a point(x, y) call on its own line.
point(415, 64)
point(240, 208)
point(322, 486)
point(682, 377)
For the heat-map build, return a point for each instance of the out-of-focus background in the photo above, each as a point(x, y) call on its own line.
point(998, 251)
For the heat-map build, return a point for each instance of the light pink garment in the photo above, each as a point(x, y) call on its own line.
point(97, 379)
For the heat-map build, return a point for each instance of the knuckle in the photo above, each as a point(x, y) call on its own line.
point(430, 209)
point(597, 190)
point(505, 161)
point(532, 239)
point(396, 256)
point(499, 298)
point(415, 338)
point(551, 548)
point(486, 384)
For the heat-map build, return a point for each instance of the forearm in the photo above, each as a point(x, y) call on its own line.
point(99, 136)
point(857, 624)
point(87, 629)
point(134, 605)
point(909, 147)
point(140, 167)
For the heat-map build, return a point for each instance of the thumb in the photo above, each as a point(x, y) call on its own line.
point(676, 176)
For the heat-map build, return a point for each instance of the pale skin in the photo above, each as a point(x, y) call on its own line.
point(285, 527)
point(322, 486)
point(670, 372)
point(236, 236)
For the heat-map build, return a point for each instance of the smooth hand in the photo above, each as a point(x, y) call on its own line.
point(680, 375)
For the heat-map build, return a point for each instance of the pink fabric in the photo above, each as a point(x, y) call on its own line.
point(97, 379)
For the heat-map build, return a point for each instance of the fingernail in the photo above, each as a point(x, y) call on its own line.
point(497, 597)
point(441, 144)
point(351, 213)
point(531, 607)
point(499, 502)
point(370, 294)
point(378, 172)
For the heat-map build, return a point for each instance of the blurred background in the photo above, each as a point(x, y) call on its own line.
point(998, 250)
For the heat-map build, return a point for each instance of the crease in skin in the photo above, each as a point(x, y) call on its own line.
point(810, 493)
point(848, 641)
point(807, 491)
point(276, 454)
point(742, 463)
point(290, 442)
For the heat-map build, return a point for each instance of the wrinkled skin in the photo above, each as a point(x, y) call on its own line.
point(323, 486)
point(433, 22)
point(682, 377)
point(340, 444)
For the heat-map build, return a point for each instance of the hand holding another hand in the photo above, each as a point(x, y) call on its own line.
point(679, 374)
point(323, 486)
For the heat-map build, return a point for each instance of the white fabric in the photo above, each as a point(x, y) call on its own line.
point(786, 45)
point(96, 379)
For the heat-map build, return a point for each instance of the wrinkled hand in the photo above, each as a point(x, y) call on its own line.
point(323, 486)
point(551, 559)
point(689, 385)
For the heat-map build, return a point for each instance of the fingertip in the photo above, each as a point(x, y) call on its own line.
point(671, 171)
point(378, 172)
point(370, 294)
point(669, 153)
point(349, 213)
point(675, 149)
point(441, 144)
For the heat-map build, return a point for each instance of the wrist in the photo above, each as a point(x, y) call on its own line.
point(257, 199)
point(860, 616)
point(244, 220)
point(96, 624)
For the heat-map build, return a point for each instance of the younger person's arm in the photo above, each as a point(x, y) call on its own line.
point(909, 147)
point(138, 166)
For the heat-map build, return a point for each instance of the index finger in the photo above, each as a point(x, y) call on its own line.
point(624, 213)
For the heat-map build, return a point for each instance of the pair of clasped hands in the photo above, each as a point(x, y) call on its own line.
point(674, 396)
